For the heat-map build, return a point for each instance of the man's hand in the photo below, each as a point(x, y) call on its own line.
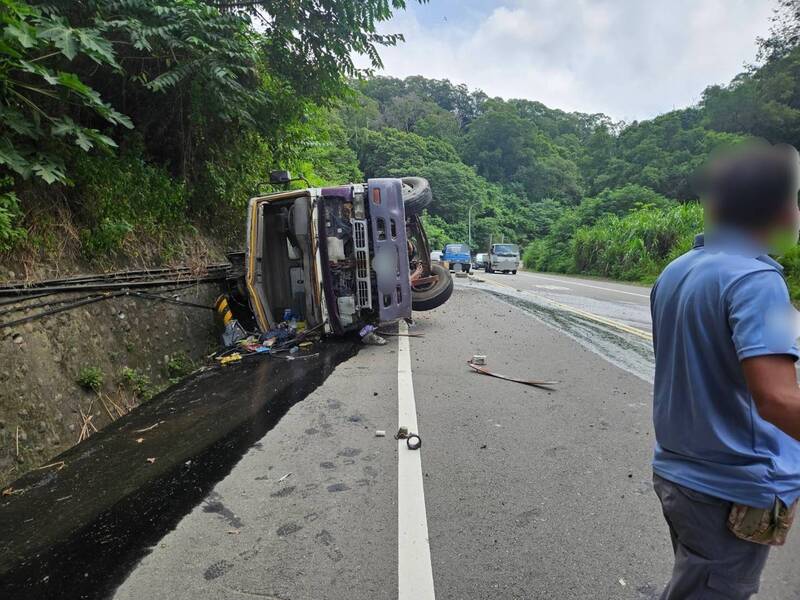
point(772, 380)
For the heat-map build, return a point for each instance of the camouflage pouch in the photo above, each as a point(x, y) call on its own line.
point(768, 526)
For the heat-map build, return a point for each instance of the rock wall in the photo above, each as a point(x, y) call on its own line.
point(135, 346)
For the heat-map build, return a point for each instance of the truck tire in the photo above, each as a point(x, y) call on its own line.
point(435, 295)
point(417, 194)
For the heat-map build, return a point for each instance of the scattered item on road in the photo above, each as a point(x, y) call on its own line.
point(151, 460)
point(478, 359)
point(397, 334)
point(413, 441)
point(622, 582)
point(369, 337)
point(533, 383)
point(285, 477)
point(380, 433)
point(153, 426)
point(139, 440)
point(58, 465)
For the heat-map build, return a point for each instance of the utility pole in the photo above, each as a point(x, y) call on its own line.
point(469, 224)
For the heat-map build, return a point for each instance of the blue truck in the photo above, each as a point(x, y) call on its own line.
point(457, 254)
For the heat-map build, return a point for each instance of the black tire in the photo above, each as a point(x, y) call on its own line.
point(417, 194)
point(437, 294)
point(514, 272)
point(466, 268)
point(488, 269)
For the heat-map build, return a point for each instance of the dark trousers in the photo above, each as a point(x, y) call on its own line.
point(710, 562)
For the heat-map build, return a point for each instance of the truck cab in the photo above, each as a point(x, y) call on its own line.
point(457, 256)
point(503, 257)
point(339, 258)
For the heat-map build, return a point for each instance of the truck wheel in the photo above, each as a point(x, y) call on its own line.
point(417, 194)
point(435, 294)
point(466, 268)
point(489, 269)
point(514, 272)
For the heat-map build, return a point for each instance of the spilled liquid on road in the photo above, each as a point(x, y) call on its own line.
point(78, 531)
point(626, 351)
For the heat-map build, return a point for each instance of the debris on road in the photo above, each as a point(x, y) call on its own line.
point(284, 478)
point(413, 445)
point(478, 359)
point(58, 465)
point(151, 460)
point(403, 434)
point(369, 337)
point(380, 433)
point(153, 426)
point(534, 383)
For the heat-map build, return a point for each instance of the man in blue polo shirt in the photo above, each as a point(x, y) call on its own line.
point(726, 403)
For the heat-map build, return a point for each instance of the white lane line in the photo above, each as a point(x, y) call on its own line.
point(414, 571)
point(589, 285)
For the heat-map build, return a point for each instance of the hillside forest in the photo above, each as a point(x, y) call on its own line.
point(134, 131)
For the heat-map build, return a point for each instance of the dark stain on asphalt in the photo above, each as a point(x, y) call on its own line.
point(288, 529)
point(118, 505)
point(350, 452)
point(338, 487)
point(311, 431)
point(213, 504)
point(327, 465)
point(218, 569)
point(324, 537)
point(287, 491)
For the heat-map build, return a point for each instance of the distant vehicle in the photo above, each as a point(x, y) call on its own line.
point(457, 254)
point(479, 262)
point(503, 257)
point(436, 256)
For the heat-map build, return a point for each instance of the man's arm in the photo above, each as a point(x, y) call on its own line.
point(772, 381)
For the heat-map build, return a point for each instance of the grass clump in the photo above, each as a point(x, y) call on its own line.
point(138, 383)
point(90, 378)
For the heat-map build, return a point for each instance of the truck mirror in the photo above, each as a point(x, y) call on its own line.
point(280, 177)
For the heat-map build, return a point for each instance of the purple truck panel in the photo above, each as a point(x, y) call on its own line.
point(343, 191)
point(388, 224)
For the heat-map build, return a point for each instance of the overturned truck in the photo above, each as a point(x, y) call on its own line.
point(342, 257)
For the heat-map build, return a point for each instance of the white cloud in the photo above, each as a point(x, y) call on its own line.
point(631, 59)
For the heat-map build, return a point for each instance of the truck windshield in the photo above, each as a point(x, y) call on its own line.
point(506, 249)
point(456, 249)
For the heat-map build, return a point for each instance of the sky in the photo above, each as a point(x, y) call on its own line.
point(629, 59)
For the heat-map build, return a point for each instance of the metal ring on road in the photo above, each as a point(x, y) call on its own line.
point(413, 445)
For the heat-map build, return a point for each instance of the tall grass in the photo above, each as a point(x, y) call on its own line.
point(633, 247)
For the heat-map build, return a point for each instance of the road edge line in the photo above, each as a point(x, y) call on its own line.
point(414, 569)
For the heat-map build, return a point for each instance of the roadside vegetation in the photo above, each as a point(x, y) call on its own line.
point(136, 130)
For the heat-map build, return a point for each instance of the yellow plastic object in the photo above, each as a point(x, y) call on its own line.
point(224, 360)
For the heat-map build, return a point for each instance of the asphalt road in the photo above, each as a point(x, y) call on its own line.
point(528, 493)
